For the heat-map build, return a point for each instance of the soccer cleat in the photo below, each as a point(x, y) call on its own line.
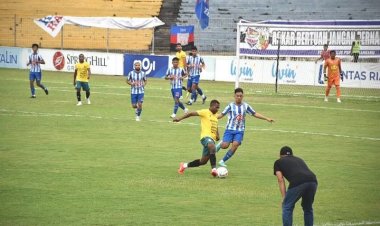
point(172, 116)
point(33, 96)
point(186, 110)
point(138, 119)
point(214, 172)
point(326, 99)
point(46, 91)
point(88, 101)
point(182, 168)
point(79, 103)
point(189, 103)
point(221, 163)
point(181, 97)
point(204, 100)
point(338, 100)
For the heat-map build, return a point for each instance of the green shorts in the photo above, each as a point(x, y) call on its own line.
point(83, 85)
point(205, 141)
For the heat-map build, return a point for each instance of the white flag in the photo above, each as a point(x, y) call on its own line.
point(51, 24)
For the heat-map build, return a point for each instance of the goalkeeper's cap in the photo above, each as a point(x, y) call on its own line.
point(286, 151)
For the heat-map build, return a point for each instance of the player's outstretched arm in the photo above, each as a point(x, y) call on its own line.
point(220, 116)
point(260, 116)
point(187, 115)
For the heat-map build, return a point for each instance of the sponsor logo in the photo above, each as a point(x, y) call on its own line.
point(147, 65)
point(287, 73)
point(256, 38)
point(58, 60)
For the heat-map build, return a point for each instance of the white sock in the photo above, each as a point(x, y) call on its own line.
point(185, 165)
point(203, 96)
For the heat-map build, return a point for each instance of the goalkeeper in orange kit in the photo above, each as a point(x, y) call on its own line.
point(334, 75)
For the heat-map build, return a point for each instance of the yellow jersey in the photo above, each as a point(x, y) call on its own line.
point(82, 71)
point(182, 58)
point(209, 123)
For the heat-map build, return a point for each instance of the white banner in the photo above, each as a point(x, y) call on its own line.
point(53, 24)
point(10, 57)
point(65, 60)
point(306, 38)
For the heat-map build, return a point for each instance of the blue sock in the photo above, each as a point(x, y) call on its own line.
point(194, 95)
point(139, 112)
point(175, 108)
point(200, 92)
point(33, 90)
point(228, 155)
point(180, 104)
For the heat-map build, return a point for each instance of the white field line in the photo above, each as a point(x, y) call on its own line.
point(314, 95)
point(5, 112)
point(258, 103)
point(351, 223)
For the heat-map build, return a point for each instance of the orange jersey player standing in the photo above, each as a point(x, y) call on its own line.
point(334, 75)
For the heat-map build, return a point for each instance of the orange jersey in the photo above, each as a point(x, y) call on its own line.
point(333, 67)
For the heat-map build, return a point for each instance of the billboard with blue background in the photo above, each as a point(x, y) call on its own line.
point(153, 66)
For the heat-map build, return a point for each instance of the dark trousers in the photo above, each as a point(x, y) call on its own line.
point(356, 57)
point(306, 191)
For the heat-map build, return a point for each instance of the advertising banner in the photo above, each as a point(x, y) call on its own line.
point(301, 39)
point(152, 65)
point(10, 57)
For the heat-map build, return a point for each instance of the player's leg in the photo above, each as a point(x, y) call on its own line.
point(39, 84)
point(199, 90)
point(237, 139)
point(307, 203)
point(31, 84)
point(328, 88)
point(197, 162)
point(212, 150)
point(227, 139)
point(191, 88)
point(134, 100)
point(86, 87)
point(338, 91)
point(78, 87)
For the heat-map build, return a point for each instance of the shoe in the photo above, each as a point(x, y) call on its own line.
point(181, 97)
point(186, 110)
point(214, 173)
point(88, 101)
point(79, 103)
point(189, 103)
point(326, 99)
point(338, 100)
point(182, 168)
point(204, 100)
point(46, 91)
point(33, 96)
point(138, 119)
point(172, 116)
point(221, 163)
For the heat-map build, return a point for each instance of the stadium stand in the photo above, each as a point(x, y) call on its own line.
point(224, 14)
point(18, 29)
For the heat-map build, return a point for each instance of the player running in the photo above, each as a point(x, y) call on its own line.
point(234, 132)
point(82, 75)
point(35, 74)
point(176, 75)
point(334, 75)
point(195, 64)
point(137, 80)
point(209, 134)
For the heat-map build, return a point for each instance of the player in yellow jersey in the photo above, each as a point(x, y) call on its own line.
point(81, 76)
point(181, 55)
point(209, 134)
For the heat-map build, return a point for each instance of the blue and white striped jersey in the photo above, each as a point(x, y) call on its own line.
point(236, 115)
point(139, 78)
point(179, 73)
point(34, 58)
point(196, 62)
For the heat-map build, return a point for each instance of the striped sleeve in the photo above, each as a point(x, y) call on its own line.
point(250, 110)
point(167, 72)
point(129, 76)
point(226, 110)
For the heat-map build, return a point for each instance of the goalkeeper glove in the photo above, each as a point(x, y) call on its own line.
point(341, 76)
point(325, 76)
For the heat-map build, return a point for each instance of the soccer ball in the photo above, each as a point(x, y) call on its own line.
point(222, 172)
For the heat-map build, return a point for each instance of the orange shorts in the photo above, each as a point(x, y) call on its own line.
point(334, 81)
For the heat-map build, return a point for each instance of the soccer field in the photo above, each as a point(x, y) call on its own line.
point(62, 164)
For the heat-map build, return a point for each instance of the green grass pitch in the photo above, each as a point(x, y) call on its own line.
point(94, 165)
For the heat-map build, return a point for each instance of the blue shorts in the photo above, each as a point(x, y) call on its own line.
point(83, 85)
point(233, 135)
point(205, 141)
point(35, 76)
point(177, 93)
point(137, 98)
point(193, 80)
